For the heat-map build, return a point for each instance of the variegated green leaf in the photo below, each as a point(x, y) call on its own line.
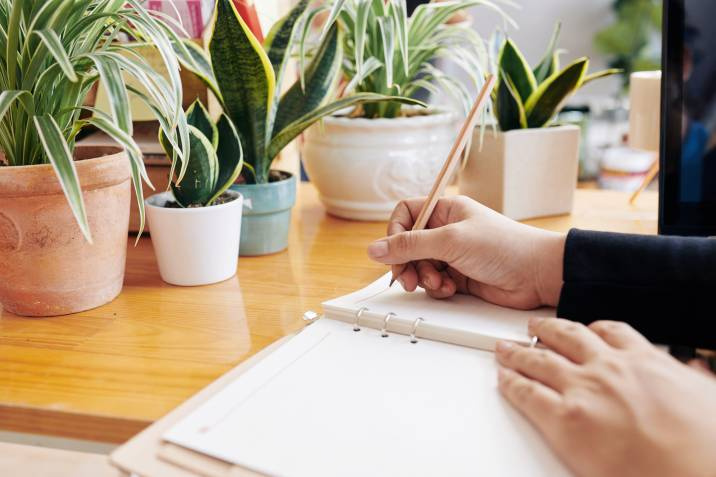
point(514, 65)
point(54, 45)
point(195, 59)
point(321, 75)
point(545, 102)
point(230, 156)
point(509, 109)
point(7, 98)
point(247, 81)
point(116, 89)
point(59, 155)
point(199, 182)
point(199, 117)
point(281, 38)
point(292, 130)
point(601, 74)
point(550, 63)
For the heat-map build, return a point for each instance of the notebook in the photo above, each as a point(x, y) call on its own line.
point(413, 393)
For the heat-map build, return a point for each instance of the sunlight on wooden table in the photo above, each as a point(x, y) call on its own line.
point(107, 373)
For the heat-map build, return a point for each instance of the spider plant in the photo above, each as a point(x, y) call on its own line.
point(53, 52)
point(389, 53)
point(266, 120)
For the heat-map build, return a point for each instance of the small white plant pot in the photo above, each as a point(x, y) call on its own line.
point(363, 167)
point(196, 246)
point(524, 174)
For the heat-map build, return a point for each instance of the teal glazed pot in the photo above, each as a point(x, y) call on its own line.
point(267, 214)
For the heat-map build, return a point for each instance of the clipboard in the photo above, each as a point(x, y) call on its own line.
point(148, 455)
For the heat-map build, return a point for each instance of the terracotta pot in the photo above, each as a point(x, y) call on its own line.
point(47, 268)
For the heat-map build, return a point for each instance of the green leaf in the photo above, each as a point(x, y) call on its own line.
point(359, 34)
point(550, 63)
point(246, 80)
point(291, 131)
point(280, 40)
point(387, 34)
point(7, 98)
point(59, 155)
point(230, 156)
point(193, 58)
point(54, 45)
point(321, 75)
point(515, 66)
point(509, 109)
point(600, 74)
point(198, 185)
point(199, 117)
point(113, 83)
point(545, 102)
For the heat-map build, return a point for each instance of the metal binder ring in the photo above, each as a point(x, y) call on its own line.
point(359, 313)
point(384, 331)
point(416, 323)
point(534, 341)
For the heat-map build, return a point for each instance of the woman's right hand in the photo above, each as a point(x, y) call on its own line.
point(468, 248)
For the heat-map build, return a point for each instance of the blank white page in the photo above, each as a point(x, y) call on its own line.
point(335, 402)
point(461, 313)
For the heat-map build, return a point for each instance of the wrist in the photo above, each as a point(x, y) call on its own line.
point(550, 267)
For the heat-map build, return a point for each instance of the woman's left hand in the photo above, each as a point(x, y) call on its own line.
point(609, 403)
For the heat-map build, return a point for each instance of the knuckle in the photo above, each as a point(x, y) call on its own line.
point(574, 412)
point(523, 390)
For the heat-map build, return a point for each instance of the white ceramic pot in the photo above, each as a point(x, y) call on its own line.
point(525, 173)
point(363, 167)
point(195, 246)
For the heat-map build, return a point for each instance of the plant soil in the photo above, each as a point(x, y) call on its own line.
point(224, 198)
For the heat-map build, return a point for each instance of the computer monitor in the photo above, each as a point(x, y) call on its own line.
point(688, 139)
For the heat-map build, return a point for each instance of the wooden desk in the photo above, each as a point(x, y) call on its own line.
point(107, 373)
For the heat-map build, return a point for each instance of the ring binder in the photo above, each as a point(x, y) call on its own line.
point(384, 331)
point(416, 323)
point(359, 313)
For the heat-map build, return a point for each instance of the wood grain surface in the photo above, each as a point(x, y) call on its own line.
point(107, 373)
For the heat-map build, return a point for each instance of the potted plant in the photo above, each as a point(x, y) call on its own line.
point(64, 215)
point(529, 167)
point(364, 161)
point(246, 78)
point(199, 220)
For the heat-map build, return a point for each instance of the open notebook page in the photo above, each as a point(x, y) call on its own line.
point(335, 402)
point(464, 320)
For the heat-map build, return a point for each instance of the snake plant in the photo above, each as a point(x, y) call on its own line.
point(390, 53)
point(52, 53)
point(214, 162)
point(531, 98)
point(247, 78)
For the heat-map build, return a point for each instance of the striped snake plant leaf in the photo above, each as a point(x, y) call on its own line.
point(321, 76)
point(292, 130)
point(514, 65)
point(198, 185)
point(229, 154)
point(199, 117)
point(510, 109)
point(59, 155)
point(280, 39)
point(247, 82)
point(54, 45)
point(550, 63)
point(600, 74)
point(545, 102)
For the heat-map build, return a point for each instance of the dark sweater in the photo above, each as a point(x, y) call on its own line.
point(665, 287)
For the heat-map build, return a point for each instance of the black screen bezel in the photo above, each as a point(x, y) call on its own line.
point(675, 217)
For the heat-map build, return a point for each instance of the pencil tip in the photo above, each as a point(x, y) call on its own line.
point(392, 281)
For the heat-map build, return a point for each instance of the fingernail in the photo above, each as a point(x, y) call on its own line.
point(378, 249)
point(534, 322)
point(503, 346)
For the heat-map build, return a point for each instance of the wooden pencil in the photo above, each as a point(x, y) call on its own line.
point(453, 159)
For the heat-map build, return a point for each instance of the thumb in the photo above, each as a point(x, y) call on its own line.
point(411, 246)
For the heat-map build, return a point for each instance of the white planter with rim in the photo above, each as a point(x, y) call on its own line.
point(195, 246)
point(363, 167)
point(524, 174)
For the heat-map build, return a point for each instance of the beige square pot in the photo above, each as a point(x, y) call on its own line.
point(525, 173)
